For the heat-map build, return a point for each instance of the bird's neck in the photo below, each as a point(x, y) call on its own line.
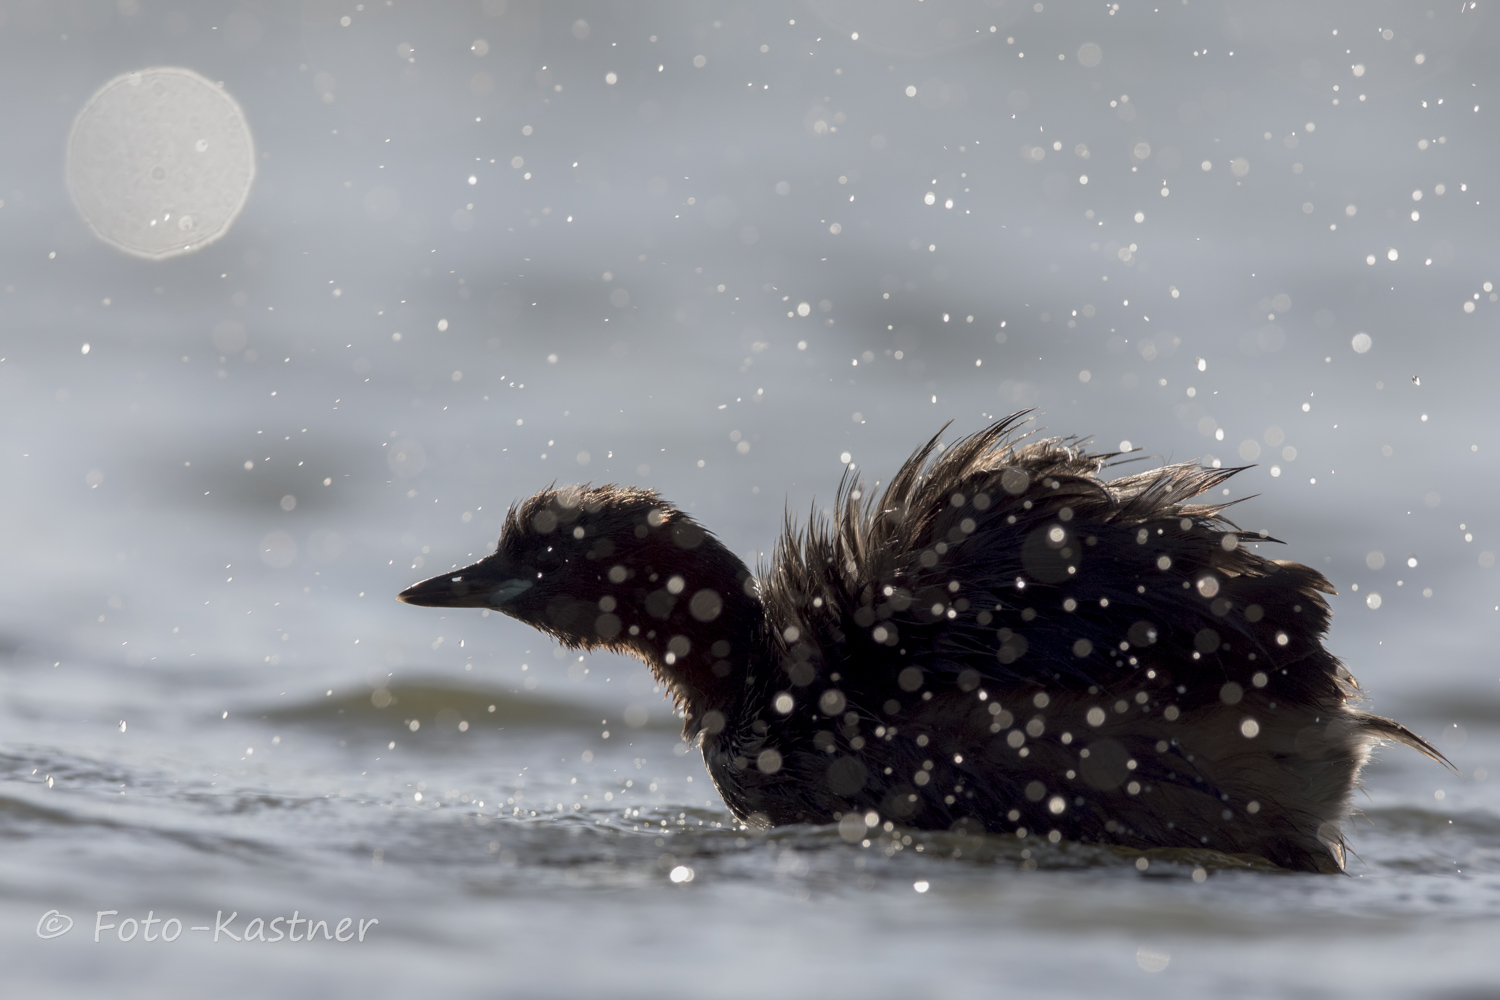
point(699, 642)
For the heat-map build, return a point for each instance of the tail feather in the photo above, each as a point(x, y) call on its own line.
point(1381, 728)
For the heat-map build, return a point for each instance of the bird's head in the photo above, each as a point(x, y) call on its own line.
point(567, 558)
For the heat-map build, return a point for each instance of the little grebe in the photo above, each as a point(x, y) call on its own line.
point(1002, 642)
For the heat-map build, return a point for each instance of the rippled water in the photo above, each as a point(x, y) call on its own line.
point(531, 855)
point(212, 707)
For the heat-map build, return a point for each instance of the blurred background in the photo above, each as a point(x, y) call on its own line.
point(446, 254)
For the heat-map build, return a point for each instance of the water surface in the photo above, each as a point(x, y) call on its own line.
point(710, 249)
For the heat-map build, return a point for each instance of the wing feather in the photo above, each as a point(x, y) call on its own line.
point(1012, 558)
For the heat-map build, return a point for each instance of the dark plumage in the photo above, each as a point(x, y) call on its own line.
point(1002, 641)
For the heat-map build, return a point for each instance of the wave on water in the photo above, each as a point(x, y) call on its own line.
point(603, 838)
point(447, 707)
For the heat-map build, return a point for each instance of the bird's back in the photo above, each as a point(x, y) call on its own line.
point(1002, 640)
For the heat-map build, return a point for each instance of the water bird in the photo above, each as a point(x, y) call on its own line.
point(1000, 641)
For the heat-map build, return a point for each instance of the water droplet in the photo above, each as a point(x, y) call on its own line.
point(123, 135)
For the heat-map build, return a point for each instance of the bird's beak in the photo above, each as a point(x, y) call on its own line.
point(486, 584)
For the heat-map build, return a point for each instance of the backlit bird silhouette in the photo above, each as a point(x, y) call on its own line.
point(998, 641)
